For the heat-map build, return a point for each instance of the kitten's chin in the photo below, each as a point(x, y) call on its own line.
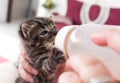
point(49, 45)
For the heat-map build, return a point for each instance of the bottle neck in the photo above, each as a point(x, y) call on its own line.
point(66, 40)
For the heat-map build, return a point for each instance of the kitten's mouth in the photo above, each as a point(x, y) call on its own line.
point(53, 39)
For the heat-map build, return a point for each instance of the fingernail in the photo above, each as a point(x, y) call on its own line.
point(35, 71)
point(99, 39)
point(98, 35)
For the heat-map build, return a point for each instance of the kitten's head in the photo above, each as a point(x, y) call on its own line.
point(38, 32)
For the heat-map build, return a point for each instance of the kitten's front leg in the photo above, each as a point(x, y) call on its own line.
point(50, 66)
point(58, 56)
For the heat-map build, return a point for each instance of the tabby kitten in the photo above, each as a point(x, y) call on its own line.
point(37, 36)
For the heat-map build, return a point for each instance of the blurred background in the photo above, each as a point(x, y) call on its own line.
point(12, 12)
point(66, 12)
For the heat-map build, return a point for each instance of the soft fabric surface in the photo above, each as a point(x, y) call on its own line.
point(9, 48)
point(8, 73)
point(9, 51)
point(2, 59)
point(83, 12)
point(74, 12)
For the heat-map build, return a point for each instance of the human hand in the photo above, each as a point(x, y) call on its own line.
point(109, 38)
point(83, 68)
point(25, 69)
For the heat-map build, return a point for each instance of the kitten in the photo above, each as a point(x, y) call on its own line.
point(37, 36)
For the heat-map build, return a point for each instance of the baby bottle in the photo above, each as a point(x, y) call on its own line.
point(75, 39)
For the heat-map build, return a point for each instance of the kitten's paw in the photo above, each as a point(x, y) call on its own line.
point(58, 56)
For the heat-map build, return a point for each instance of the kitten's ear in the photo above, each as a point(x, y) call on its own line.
point(24, 28)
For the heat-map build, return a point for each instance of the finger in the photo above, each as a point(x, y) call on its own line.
point(27, 66)
point(109, 38)
point(87, 67)
point(60, 70)
point(69, 77)
point(24, 55)
point(25, 75)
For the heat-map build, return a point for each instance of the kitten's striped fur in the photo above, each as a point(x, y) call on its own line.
point(37, 37)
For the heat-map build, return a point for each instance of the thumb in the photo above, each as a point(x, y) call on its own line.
point(109, 38)
point(69, 77)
